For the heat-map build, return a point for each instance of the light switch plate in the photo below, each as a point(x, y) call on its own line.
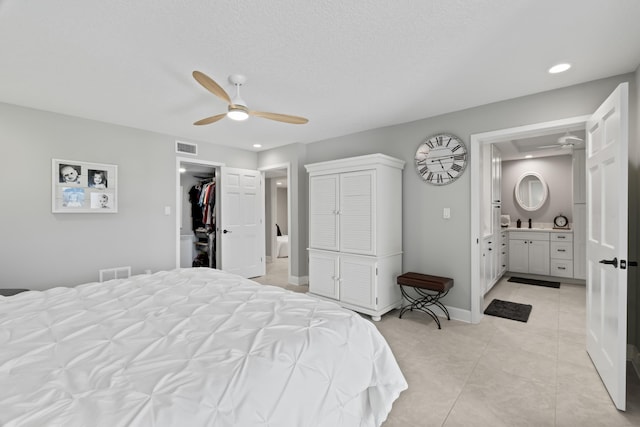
point(446, 213)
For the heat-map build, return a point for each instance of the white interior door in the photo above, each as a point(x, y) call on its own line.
point(607, 160)
point(241, 222)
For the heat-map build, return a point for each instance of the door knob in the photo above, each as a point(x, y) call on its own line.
point(613, 262)
point(226, 231)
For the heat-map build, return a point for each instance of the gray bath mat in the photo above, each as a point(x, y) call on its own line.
point(509, 310)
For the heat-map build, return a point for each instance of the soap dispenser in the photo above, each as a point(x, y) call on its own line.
point(529, 222)
point(518, 223)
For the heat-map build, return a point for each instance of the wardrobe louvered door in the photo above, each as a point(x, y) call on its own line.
point(323, 212)
point(357, 212)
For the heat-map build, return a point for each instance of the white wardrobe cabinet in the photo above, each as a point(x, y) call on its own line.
point(355, 232)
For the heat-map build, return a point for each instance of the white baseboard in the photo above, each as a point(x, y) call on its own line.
point(299, 280)
point(459, 314)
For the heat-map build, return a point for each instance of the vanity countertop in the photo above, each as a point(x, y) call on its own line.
point(550, 230)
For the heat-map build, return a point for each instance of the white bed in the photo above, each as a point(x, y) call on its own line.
point(282, 246)
point(190, 347)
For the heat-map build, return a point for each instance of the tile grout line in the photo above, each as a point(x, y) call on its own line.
point(466, 381)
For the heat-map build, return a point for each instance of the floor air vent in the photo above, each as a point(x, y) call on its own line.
point(114, 273)
point(186, 148)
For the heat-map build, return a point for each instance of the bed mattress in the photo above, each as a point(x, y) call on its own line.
point(190, 347)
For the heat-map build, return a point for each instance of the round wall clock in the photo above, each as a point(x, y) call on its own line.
point(441, 159)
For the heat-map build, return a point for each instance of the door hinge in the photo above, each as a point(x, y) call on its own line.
point(376, 301)
point(376, 271)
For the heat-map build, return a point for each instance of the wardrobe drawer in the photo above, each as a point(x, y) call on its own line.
point(561, 250)
point(561, 268)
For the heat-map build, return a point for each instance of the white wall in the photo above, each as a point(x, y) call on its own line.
point(281, 210)
point(556, 171)
point(40, 250)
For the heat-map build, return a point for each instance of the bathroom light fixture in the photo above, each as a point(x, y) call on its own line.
point(278, 183)
point(559, 68)
point(257, 145)
point(182, 170)
point(528, 156)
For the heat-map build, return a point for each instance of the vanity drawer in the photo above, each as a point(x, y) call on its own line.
point(561, 250)
point(561, 237)
point(561, 268)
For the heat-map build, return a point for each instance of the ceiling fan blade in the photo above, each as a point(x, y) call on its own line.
point(210, 120)
point(286, 118)
point(210, 85)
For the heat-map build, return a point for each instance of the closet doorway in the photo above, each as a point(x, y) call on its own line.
point(230, 235)
point(198, 245)
point(278, 223)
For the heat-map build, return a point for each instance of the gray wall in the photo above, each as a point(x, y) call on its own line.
point(431, 244)
point(281, 210)
point(556, 171)
point(41, 250)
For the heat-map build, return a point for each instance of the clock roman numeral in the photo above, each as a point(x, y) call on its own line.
point(448, 142)
point(456, 148)
point(430, 144)
point(424, 170)
point(459, 157)
point(456, 167)
point(439, 179)
point(439, 141)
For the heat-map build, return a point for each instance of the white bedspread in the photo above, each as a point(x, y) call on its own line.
point(192, 347)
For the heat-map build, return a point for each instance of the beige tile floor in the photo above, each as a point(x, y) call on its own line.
point(500, 372)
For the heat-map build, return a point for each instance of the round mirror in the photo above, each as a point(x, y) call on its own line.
point(531, 191)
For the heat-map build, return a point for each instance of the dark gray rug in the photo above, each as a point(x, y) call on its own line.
point(534, 282)
point(509, 310)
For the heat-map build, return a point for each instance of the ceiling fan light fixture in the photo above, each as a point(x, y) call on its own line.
point(238, 113)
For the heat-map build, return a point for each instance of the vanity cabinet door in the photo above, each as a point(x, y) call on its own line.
point(539, 257)
point(519, 256)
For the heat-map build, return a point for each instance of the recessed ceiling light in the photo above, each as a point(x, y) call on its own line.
point(528, 156)
point(257, 145)
point(559, 68)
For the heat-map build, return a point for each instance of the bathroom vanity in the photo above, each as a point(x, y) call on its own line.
point(541, 251)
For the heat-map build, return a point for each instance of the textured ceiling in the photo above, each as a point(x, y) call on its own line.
point(347, 66)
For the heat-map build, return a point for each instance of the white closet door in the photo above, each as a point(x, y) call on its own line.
point(241, 222)
point(357, 210)
point(323, 212)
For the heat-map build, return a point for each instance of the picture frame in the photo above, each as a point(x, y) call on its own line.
point(83, 187)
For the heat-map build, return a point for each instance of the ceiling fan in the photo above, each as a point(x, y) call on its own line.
point(565, 141)
point(237, 109)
